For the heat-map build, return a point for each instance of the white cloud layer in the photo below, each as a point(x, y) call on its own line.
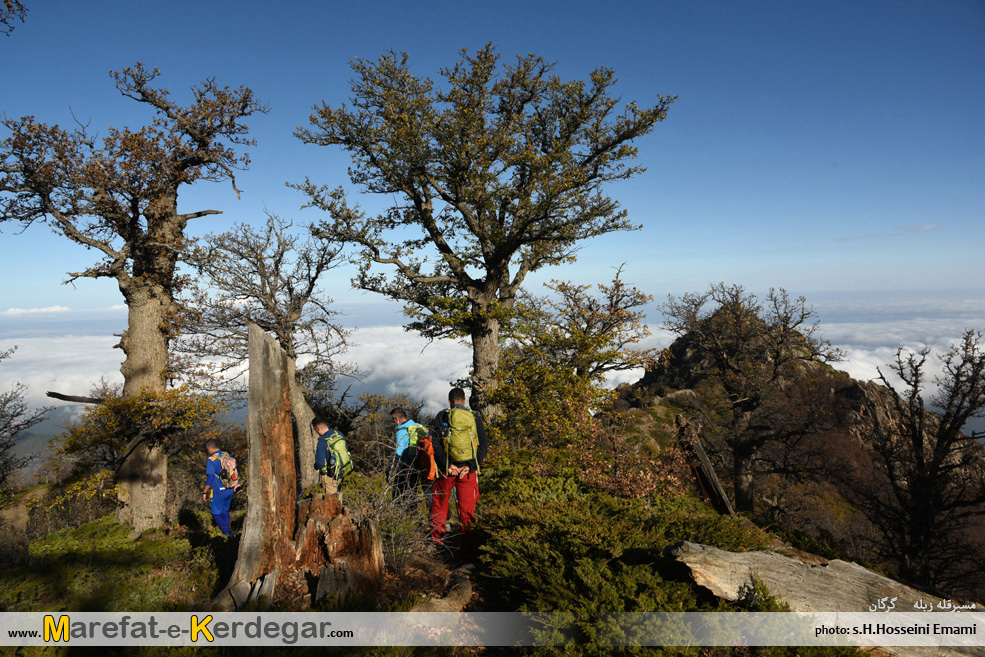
point(69, 365)
point(35, 311)
point(868, 331)
point(403, 362)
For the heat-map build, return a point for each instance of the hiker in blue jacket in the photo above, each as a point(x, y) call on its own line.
point(406, 476)
point(215, 491)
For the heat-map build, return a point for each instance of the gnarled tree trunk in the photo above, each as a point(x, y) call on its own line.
point(485, 360)
point(143, 481)
point(266, 544)
point(143, 477)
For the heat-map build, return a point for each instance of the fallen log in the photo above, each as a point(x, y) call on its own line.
point(704, 472)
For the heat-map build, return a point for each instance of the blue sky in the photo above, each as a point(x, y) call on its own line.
point(835, 149)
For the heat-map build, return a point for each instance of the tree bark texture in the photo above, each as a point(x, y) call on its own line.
point(145, 341)
point(142, 485)
point(307, 440)
point(269, 528)
point(142, 480)
point(345, 555)
point(485, 360)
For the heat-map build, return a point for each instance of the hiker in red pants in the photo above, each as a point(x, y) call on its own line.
point(460, 446)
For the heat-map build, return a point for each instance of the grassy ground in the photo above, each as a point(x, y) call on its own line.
point(97, 567)
point(548, 541)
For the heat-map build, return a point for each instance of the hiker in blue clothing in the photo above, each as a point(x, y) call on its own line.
point(215, 491)
point(403, 469)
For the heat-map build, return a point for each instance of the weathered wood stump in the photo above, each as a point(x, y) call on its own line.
point(347, 556)
point(289, 547)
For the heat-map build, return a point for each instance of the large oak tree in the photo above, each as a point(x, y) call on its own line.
point(498, 172)
point(119, 196)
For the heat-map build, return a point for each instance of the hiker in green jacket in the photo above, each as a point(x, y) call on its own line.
point(332, 458)
point(460, 445)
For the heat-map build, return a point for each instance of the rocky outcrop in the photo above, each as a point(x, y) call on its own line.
point(678, 380)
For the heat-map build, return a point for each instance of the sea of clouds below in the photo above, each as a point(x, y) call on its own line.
point(67, 351)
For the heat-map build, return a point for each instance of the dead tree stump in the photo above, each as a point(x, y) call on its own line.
point(287, 546)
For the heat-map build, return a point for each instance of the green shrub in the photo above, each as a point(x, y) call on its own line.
point(72, 503)
point(551, 543)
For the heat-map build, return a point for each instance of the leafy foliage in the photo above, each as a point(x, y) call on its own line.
point(50, 172)
point(501, 172)
point(548, 405)
point(551, 543)
point(628, 464)
point(109, 431)
point(552, 371)
point(119, 196)
point(72, 503)
point(589, 334)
